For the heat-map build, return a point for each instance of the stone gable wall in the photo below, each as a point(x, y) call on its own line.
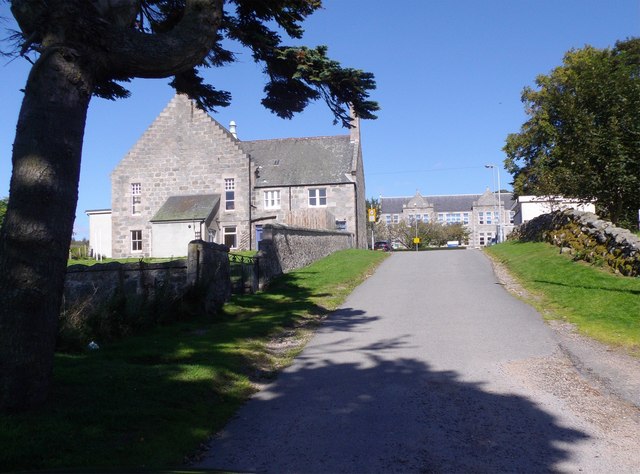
point(184, 152)
point(587, 237)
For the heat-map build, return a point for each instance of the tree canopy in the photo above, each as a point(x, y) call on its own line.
point(582, 138)
point(138, 38)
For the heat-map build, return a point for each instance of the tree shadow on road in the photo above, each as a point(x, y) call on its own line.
point(379, 415)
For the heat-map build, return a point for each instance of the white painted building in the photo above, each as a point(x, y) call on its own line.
point(100, 232)
point(528, 207)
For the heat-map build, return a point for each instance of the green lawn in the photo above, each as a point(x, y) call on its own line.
point(602, 305)
point(151, 400)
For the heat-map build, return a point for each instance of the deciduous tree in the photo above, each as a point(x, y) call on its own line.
point(86, 48)
point(582, 138)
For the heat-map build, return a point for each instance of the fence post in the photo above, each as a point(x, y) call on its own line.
point(255, 280)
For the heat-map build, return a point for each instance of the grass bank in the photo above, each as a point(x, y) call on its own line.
point(602, 305)
point(150, 401)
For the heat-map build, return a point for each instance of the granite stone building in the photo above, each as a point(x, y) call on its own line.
point(478, 212)
point(188, 177)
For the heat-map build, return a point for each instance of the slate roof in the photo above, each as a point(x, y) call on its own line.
point(451, 203)
point(187, 208)
point(302, 161)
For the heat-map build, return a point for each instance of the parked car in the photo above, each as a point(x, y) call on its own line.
point(382, 245)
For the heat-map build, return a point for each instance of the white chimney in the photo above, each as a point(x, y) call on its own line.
point(232, 129)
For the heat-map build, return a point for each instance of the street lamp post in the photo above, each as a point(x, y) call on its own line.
point(495, 169)
point(415, 206)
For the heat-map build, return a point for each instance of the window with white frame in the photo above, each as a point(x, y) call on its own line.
point(453, 217)
point(480, 217)
point(317, 197)
point(512, 216)
point(231, 236)
point(387, 219)
point(465, 217)
point(411, 218)
point(441, 217)
point(481, 238)
point(272, 199)
point(229, 194)
point(396, 218)
point(136, 241)
point(136, 198)
point(488, 217)
point(426, 218)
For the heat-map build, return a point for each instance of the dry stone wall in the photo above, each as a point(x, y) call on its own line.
point(100, 282)
point(587, 237)
point(108, 301)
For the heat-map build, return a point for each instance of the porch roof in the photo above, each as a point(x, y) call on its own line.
point(199, 207)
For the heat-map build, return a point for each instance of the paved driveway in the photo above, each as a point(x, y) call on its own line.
point(431, 366)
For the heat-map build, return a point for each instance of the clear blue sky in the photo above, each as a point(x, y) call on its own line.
point(449, 75)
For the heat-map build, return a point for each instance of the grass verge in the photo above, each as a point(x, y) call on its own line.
point(150, 401)
point(601, 305)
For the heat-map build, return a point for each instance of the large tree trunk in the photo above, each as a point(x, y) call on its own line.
point(35, 238)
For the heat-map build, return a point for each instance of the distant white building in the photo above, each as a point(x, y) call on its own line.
point(528, 207)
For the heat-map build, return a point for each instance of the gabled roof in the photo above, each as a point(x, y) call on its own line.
point(444, 203)
point(454, 203)
point(188, 208)
point(392, 205)
point(302, 161)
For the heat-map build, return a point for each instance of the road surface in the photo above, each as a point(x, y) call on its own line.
point(431, 366)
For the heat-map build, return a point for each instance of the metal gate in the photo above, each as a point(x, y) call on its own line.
point(244, 273)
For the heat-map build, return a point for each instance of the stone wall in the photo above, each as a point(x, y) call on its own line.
point(284, 248)
point(586, 237)
point(111, 300)
point(100, 282)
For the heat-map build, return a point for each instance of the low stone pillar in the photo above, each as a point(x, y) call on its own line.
point(208, 272)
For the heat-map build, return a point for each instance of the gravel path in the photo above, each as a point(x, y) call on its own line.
point(431, 366)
